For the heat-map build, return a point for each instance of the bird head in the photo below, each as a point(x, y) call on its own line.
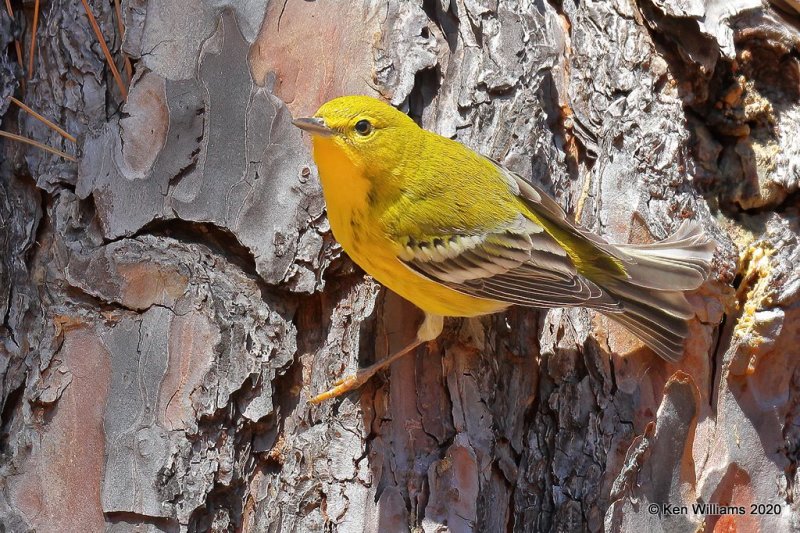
point(361, 128)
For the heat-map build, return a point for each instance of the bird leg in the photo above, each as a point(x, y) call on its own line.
point(355, 381)
point(429, 330)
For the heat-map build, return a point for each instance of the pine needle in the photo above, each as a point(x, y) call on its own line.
point(18, 46)
point(37, 144)
point(47, 122)
point(106, 52)
point(33, 37)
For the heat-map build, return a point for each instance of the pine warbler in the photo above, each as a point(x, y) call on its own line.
point(459, 235)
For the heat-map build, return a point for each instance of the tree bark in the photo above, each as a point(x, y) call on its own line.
point(171, 301)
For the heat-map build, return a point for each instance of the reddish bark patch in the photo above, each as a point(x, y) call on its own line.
point(316, 50)
point(734, 489)
point(145, 131)
point(145, 284)
point(58, 487)
point(191, 354)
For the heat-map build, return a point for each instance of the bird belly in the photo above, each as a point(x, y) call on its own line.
point(376, 254)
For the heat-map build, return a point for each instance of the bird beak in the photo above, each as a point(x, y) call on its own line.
point(314, 126)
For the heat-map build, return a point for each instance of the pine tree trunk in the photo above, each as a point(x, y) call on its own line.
point(171, 301)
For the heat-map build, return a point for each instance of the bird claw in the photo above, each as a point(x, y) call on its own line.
point(342, 386)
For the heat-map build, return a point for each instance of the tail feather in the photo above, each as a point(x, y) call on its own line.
point(680, 262)
point(672, 303)
point(668, 345)
point(654, 306)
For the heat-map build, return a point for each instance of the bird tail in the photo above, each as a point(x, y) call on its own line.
point(654, 306)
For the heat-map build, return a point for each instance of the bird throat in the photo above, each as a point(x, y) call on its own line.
point(347, 190)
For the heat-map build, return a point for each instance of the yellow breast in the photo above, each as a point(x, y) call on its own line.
point(358, 230)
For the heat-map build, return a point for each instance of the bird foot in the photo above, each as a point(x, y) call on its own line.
point(344, 385)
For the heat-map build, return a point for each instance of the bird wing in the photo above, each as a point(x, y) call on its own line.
point(593, 255)
point(519, 263)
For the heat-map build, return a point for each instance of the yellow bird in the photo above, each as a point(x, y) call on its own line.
point(457, 234)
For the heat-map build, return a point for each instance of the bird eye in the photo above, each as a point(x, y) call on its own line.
point(363, 127)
